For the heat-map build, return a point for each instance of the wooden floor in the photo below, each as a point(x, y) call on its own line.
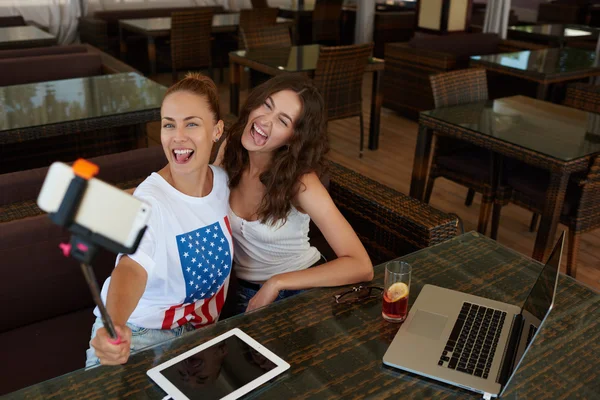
point(392, 165)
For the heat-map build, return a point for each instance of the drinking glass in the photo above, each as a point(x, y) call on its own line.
point(395, 291)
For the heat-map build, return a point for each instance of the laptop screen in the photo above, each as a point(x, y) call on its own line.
point(538, 303)
point(540, 297)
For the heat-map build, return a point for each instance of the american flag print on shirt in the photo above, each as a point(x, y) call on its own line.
point(206, 259)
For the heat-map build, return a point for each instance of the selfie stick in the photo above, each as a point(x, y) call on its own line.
point(84, 243)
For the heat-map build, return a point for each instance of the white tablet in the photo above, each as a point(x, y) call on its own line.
point(226, 367)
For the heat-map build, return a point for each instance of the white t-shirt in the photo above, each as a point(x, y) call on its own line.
point(187, 251)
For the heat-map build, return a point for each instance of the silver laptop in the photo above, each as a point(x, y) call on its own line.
point(470, 341)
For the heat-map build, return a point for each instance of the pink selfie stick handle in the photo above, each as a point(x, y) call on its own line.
point(115, 341)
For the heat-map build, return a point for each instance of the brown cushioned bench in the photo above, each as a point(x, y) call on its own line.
point(56, 62)
point(47, 316)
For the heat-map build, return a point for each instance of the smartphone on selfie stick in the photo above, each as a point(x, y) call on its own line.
point(97, 214)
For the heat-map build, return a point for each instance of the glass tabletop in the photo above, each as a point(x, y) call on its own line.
point(309, 6)
point(545, 61)
point(298, 8)
point(291, 59)
point(560, 30)
point(43, 103)
point(164, 23)
point(23, 33)
point(557, 131)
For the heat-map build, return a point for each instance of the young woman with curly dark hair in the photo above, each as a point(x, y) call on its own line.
point(274, 157)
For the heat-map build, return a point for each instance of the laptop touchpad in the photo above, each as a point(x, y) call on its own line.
point(427, 324)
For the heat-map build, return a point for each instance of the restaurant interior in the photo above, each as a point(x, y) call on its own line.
point(464, 138)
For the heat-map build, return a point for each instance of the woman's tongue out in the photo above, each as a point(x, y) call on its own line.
point(182, 155)
point(259, 136)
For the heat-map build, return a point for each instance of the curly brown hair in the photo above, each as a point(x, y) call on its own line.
point(303, 154)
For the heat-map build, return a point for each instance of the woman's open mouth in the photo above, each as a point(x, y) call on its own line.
point(182, 156)
point(259, 136)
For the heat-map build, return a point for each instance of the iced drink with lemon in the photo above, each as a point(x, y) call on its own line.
point(396, 290)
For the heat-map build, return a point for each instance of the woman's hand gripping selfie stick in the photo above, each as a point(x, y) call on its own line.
point(84, 243)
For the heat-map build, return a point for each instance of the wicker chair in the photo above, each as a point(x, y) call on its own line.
point(583, 96)
point(191, 40)
point(326, 19)
point(581, 210)
point(253, 18)
point(256, 18)
point(339, 76)
point(453, 159)
point(260, 4)
point(270, 36)
point(266, 36)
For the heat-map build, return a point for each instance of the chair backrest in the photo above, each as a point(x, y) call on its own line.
point(560, 13)
point(20, 70)
point(191, 38)
point(326, 21)
point(588, 210)
point(252, 18)
point(266, 36)
point(339, 77)
point(14, 20)
point(260, 4)
point(583, 96)
point(459, 87)
point(43, 51)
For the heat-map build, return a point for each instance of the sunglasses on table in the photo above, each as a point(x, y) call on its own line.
point(358, 293)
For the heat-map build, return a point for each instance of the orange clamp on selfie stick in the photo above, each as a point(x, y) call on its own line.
point(85, 169)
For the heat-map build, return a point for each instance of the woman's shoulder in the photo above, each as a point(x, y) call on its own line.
point(309, 181)
point(220, 175)
point(310, 189)
point(151, 190)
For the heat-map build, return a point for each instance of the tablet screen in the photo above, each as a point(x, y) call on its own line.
point(218, 370)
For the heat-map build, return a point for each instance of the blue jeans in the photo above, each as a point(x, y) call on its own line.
point(244, 294)
point(140, 338)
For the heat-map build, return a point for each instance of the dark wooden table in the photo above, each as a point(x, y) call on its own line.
point(302, 15)
point(19, 37)
point(552, 34)
point(544, 67)
point(336, 351)
point(298, 59)
point(556, 138)
point(153, 28)
point(102, 113)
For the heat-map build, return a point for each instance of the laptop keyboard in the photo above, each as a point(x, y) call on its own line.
point(531, 333)
point(472, 344)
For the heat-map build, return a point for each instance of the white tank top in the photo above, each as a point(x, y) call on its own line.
point(262, 251)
